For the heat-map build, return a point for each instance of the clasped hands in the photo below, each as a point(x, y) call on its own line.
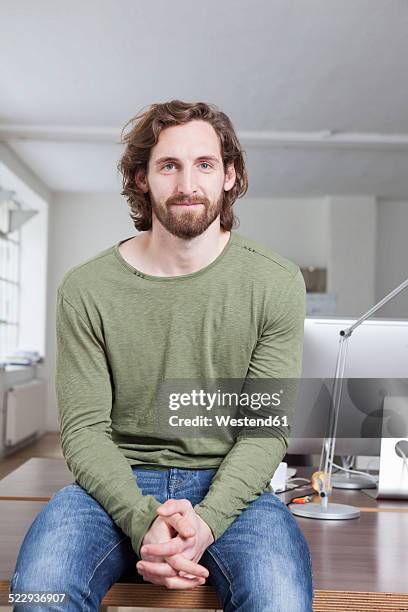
point(174, 543)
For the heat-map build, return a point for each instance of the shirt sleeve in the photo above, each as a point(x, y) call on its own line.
point(84, 395)
point(247, 469)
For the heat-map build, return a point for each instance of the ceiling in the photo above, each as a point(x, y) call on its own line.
point(276, 67)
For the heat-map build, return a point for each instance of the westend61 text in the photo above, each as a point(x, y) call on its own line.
point(227, 421)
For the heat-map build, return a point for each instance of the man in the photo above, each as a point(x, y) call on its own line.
point(185, 299)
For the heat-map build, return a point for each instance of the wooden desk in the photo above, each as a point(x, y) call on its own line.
point(358, 564)
point(36, 480)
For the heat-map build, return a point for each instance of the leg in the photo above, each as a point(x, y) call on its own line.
point(74, 547)
point(262, 561)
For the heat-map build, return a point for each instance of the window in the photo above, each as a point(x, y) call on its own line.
point(9, 282)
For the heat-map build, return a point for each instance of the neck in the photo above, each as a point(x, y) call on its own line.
point(169, 255)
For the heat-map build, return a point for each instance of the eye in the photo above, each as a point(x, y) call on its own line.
point(168, 164)
point(206, 164)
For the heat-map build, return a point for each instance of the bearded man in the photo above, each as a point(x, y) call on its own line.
point(187, 298)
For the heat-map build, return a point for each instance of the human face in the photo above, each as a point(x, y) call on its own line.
point(186, 179)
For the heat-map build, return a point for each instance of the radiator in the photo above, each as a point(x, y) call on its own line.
point(25, 408)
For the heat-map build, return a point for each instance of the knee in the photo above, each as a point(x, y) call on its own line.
point(46, 566)
point(48, 552)
point(271, 583)
point(45, 575)
point(50, 584)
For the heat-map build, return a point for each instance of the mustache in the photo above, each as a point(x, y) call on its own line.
point(190, 200)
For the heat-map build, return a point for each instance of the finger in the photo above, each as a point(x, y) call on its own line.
point(181, 563)
point(174, 505)
point(184, 575)
point(181, 524)
point(157, 569)
point(165, 549)
point(154, 559)
point(180, 583)
point(153, 579)
point(183, 583)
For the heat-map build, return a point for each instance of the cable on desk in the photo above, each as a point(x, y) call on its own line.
point(352, 471)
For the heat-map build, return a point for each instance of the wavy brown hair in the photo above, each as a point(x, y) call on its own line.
point(143, 135)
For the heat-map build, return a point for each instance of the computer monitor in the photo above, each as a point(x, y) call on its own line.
point(377, 350)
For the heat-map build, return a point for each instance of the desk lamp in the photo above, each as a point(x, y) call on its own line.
point(326, 510)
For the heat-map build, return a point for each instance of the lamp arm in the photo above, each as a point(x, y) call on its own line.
point(387, 298)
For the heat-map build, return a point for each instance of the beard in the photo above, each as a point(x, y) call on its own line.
point(184, 221)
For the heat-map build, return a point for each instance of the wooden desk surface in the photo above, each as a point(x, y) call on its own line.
point(39, 478)
point(36, 480)
point(368, 554)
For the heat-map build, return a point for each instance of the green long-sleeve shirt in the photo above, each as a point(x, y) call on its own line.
point(121, 332)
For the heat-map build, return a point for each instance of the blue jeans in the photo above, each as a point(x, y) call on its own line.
point(261, 563)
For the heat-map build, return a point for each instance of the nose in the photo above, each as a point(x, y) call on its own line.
point(186, 181)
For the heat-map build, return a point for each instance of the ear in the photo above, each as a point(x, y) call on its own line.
point(230, 177)
point(141, 180)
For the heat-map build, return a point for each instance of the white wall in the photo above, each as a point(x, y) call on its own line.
point(23, 172)
point(392, 256)
point(351, 260)
point(336, 233)
point(295, 228)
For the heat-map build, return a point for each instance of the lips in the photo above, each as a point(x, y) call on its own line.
point(187, 204)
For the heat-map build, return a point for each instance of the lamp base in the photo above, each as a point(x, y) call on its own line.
point(352, 481)
point(333, 512)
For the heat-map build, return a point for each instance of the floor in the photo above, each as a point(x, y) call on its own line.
point(49, 446)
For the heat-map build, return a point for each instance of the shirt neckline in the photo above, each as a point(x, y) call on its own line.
point(173, 279)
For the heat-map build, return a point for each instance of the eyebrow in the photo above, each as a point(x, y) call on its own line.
point(162, 160)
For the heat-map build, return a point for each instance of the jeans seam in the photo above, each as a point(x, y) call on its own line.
point(101, 560)
point(224, 571)
point(175, 485)
point(13, 582)
point(309, 554)
point(180, 483)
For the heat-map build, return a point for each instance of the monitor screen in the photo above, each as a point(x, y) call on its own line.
point(377, 350)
